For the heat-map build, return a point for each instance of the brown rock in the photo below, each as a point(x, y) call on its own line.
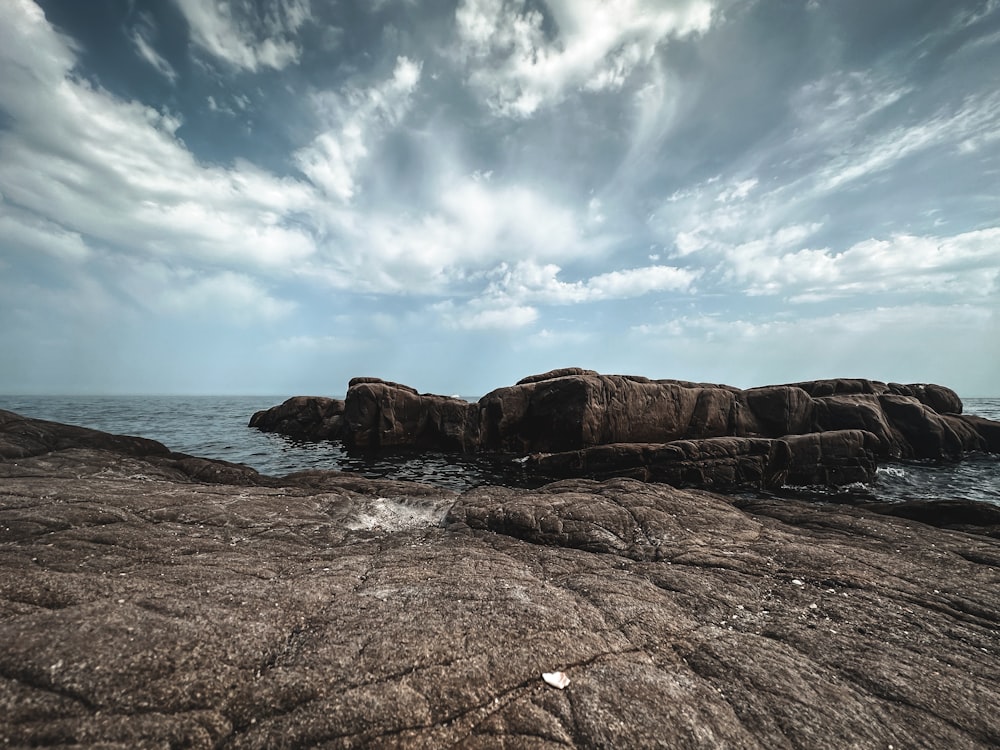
point(777, 410)
point(926, 434)
point(582, 409)
point(303, 417)
point(615, 425)
point(139, 608)
point(725, 463)
point(858, 412)
point(937, 397)
point(987, 429)
point(381, 414)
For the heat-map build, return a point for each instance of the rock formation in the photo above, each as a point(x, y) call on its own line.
point(151, 599)
point(575, 422)
point(304, 418)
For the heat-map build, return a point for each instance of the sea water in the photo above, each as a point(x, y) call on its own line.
point(216, 427)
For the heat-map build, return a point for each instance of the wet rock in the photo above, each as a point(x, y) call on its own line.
point(140, 607)
point(303, 417)
point(924, 433)
point(987, 429)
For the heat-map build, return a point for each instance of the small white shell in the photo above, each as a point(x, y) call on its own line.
point(556, 679)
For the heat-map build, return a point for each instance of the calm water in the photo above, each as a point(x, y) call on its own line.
point(215, 427)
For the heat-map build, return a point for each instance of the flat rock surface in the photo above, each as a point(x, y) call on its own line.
point(140, 607)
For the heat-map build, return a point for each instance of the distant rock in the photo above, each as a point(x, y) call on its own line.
point(576, 422)
point(147, 600)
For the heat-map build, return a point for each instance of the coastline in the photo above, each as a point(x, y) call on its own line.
point(153, 598)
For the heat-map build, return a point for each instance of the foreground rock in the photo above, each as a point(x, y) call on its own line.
point(140, 607)
point(575, 422)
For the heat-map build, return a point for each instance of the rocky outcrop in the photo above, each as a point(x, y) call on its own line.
point(581, 423)
point(304, 418)
point(382, 414)
point(140, 607)
point(725, 463)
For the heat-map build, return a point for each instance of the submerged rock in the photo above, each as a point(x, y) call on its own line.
point(143, 606)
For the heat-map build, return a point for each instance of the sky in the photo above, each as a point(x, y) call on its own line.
point(272, 197)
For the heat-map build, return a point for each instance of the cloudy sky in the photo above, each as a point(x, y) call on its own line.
point(273, 196)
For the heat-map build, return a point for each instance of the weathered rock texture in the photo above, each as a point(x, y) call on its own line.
point(577, 422)
point(142, 608)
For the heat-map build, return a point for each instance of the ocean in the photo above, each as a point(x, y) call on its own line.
point(216, 427)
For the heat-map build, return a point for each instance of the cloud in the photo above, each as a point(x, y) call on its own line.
point(528, 281)
point(520, 66)
point(967, 128)
point(964, 265)
point(115, 173)
point(186, 292)
point(35, 234)
point(142, 37)
point(511, 298)
point(356, 119)
point(485, 315)
point(246, 35)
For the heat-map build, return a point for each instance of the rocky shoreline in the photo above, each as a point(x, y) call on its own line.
point(153, 599)
point(579, 423)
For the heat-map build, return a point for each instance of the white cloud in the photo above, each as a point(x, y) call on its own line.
point(973, 124)
point(470, 226)
point(489, 315)
point(36, 234)
point(739, 191)
point(531, 282)
point(596, 45)
point(243, 35)
point(114, 172)
point(965, 265)
point(510, 299)
point(331, 161)
point(232, 296)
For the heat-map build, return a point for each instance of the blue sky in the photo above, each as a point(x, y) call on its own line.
point(273, 197)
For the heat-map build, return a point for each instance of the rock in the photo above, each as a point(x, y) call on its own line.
point(942, 400)
point(842, 387)
point(20, 438)
point(987, 429)
point(858, 412)
point(381, 414)
point(926, 434)
point(564, 412)
point(304, 418)
point(725, 463)
point(580, 421)
point(142, 608)
point(963, 515)
point(777, 410)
